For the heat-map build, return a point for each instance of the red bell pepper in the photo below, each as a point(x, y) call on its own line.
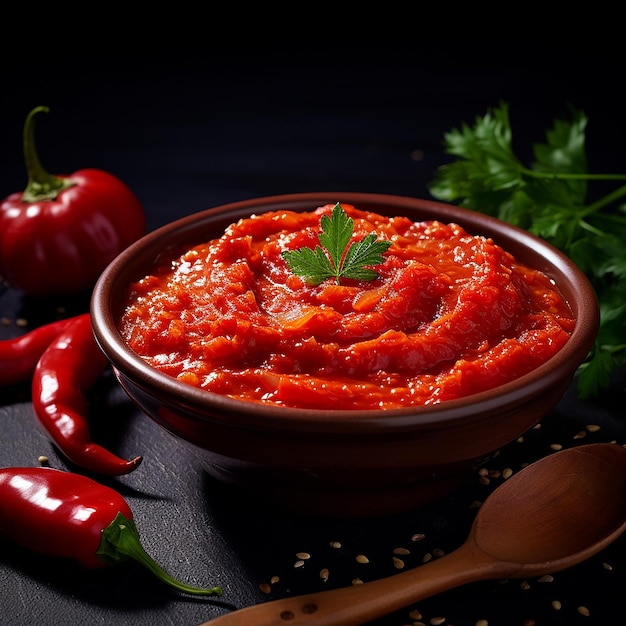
point(58, 235)
point(69, 515)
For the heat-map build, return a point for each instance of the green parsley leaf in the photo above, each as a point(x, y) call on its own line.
point(333, 260)
point(550, 199)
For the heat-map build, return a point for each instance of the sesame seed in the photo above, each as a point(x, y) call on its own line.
point(583, 610)
point(592, 428)
point(265, 588)
point(398, 563)
point(298, 563)
point(303, 556)
point(418, 537)
point(606, 566)
point(401, 551)
point(556, 446)
point(507, 472)
point(335, 544)
point(361, 558)
point(437, 621)
point(556, 605)
point(324, 573)
point(546, 579)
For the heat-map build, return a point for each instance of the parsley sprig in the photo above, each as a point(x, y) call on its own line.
point(549, 199)
point(333, 259)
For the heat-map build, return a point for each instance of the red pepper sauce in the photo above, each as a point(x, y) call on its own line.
point(450, 314)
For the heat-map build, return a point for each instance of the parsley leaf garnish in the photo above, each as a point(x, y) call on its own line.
point(333, 260)
point(549, 199)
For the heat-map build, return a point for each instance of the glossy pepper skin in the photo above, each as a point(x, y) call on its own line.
point(68, 368)
point(19, 356)
point(58, 235)
point(71, 516)
point(58, 513)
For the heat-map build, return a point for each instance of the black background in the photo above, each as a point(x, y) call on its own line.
point(190, 123)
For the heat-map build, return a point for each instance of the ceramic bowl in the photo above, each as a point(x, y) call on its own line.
point(342, 463)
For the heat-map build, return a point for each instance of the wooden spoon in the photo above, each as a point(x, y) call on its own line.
point(551, 515)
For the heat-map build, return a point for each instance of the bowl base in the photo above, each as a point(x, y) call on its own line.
point(328, 500)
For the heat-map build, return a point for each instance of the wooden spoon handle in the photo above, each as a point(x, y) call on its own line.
point(359, 604)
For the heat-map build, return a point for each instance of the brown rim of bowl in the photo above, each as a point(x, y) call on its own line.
point(517, 391)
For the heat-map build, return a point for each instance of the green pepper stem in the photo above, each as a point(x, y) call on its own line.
point(41, 185)
point(120, 541)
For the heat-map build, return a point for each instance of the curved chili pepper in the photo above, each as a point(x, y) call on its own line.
point(70, 365)
point(63, 514)
point(19, 356)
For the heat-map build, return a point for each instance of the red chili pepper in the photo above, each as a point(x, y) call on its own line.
point(58, 235)
point(19, 356)
point(67, 369)
point(68, 515)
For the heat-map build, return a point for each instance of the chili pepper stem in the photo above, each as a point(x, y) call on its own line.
point(41, 185)
point(120, 541)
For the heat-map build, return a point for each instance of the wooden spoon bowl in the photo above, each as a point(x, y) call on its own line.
point(551, 515)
